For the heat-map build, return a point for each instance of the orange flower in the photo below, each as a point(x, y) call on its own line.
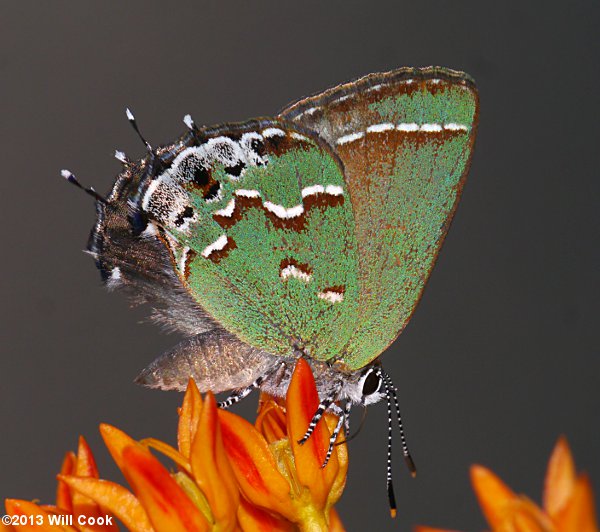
point(568, 502)
point(230, 474)
point(276, 473)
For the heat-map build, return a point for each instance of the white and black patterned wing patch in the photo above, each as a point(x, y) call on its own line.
point(131, 255)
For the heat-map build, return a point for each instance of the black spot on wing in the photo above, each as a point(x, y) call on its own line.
point(235, 170)
point(258, 147)
point(188, 212)
point(212, 192)
point(201, 176)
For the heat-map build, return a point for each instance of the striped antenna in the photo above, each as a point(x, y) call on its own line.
point(133, 123)
point(189, 122)
point(70, 177)
point(392, 394)
point(389, 482)
point(120, 156)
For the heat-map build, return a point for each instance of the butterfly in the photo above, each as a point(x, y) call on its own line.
point(309, 234)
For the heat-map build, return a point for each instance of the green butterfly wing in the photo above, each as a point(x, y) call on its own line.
point(405, 139)
point(260, 230)
point(316, 232)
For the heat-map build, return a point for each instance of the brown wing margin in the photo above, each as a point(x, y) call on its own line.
point(363, 83)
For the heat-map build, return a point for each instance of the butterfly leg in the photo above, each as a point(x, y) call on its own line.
point(344, 416)
point(336, 410)
point(324, 405)
point(237, 395)
point(342, 412)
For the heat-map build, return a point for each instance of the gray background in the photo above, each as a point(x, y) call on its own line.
point(501, 356)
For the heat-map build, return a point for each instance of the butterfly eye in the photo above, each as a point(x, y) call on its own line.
point(139, 221)
point(371, 384)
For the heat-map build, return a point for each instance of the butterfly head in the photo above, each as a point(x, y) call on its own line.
point(371, 386)
point(365, 386)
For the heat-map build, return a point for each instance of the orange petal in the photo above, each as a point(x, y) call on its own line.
point(189, 414)
point(253, 518)
point(560, 478)
point(63, 494)
point(254, 466)
point(37, 519)
point(494, 496)
point(211, 468)
point(114, 498)
point(270, 421)
point(166, 504)
point(337, 488)
point(86, 463)
point(525, 516)
point(524, 523)
point(85, 467)
point(116, 441)
point(335, 523)
point(271, 428)
point(168, 451)
point(579, 513)
point(302, 402)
